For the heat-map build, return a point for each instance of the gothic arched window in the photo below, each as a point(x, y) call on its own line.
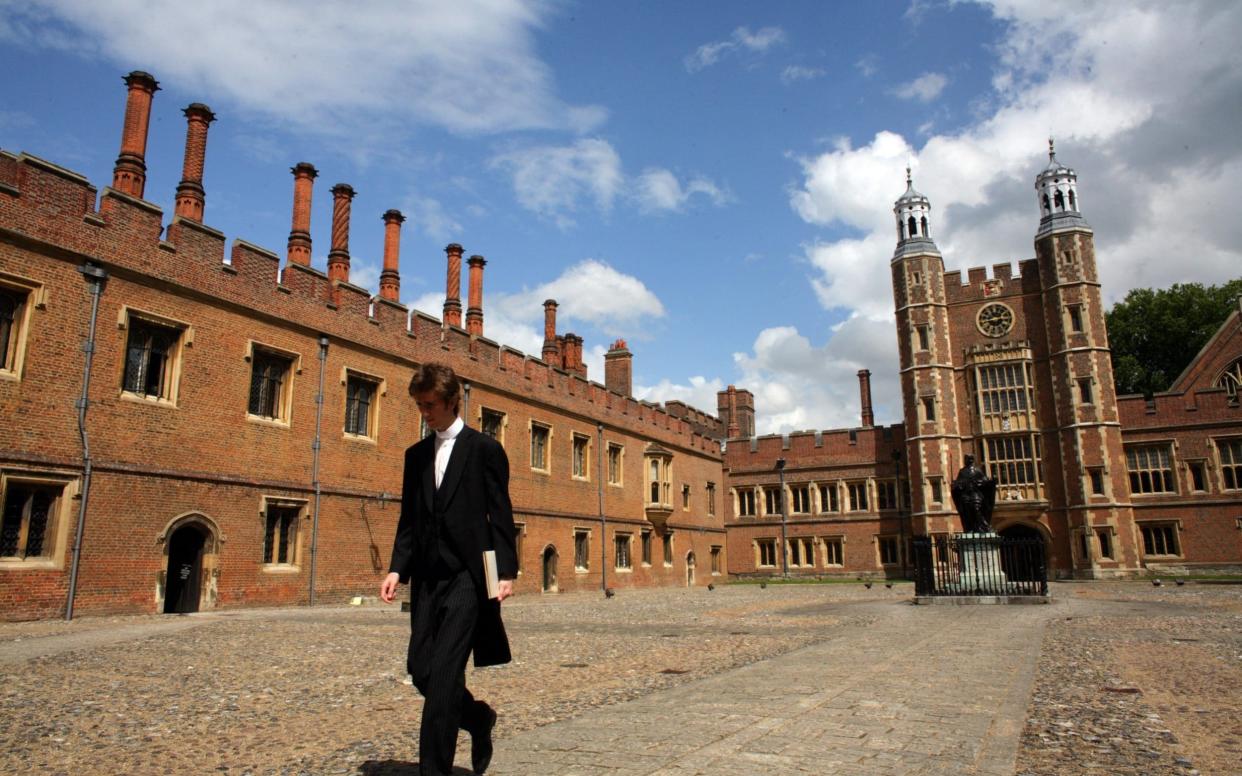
point(1047, 205)
point(1073, 204)
point(923, 223)
point(1059, 200)
point(1231, 378)
point(914, 227)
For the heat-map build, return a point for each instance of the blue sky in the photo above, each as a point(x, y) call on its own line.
point(712, 181)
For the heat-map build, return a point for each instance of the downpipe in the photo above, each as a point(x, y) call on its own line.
point(314, 552)
point(95, 276)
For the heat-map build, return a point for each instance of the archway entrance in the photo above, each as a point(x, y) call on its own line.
point(689, 569)
point(549, 569)
point(1018, 565)
point(183, 588)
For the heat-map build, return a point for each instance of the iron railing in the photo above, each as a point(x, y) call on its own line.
point(979, 564)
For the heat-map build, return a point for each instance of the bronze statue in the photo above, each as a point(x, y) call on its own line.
point(974, 496)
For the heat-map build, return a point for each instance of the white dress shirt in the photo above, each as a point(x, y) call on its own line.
point(444, 447)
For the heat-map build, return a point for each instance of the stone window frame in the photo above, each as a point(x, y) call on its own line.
point(59, 525)
point(710, 497)
point(284, 412)
point(582, 550)
point(546, 428)
point(670, 552)
point(645, 547)
point(623, 545)
point(799, 498)
point(935, 490)
point(1197, 484)
point(619, 469)
point(484, 412)
point(886, 490)
point(832, 546)
point(833, 489)
point(662, 479)
point(765, 545)
point(804, 558)
point(856, 495)
point(1229, 462)
point(1074, 318)
point(1095, 477)
point(184, 338)
point(927, 408)
point(33, 297)
point(769, 493)
point(580, 468)
point(883, 541)
point(519, 534)
point(1139, 457)
point(685, 497)
point(1167, 529)
point(745, 503)
point(293, 562)
point(1106, 541)
point(922, 337)
point(1086, 394)
point(716, 553)
point(380, 386)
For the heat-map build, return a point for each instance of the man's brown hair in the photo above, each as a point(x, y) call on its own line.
point(437, 379)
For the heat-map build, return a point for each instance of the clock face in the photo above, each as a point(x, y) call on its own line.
point(995, 320)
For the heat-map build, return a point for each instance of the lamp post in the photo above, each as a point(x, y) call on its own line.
point(901, 521)
point(780, 470)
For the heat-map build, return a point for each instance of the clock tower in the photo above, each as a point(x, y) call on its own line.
point(1096, 494)
point(924, 343)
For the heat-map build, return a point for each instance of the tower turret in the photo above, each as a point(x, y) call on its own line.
point(913, 212)
point(1057, 189)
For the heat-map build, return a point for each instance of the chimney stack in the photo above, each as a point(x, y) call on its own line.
point(338, 256)
point(190, 194)
point(390, 278)
point(551, 353)
point(573, 355)
point(619, 369)
point(864, 392)
point(474, 313)
point(129, 176)
point(452, 294)
point(299, 236)
point(734, 429)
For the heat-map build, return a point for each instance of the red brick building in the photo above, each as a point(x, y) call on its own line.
point(231, 433)
point(1015, 370)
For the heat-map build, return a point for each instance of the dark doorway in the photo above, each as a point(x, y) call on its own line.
point(1019, 562)
point(549, 569)
point(185, 569)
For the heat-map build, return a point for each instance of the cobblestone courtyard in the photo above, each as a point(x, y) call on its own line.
point(1113, 678)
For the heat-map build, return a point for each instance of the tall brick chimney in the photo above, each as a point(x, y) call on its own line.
point(573, 355)
point(190, 195)
point(390, 278)
point(129, 176)
point(619, 369)
point(474, 312)
point(452, 292)
point(551, 352)
point(338, 256)
point(864, 394)
point(299, 236)
point(733, 429)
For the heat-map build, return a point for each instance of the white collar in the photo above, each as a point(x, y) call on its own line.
point(452, 431)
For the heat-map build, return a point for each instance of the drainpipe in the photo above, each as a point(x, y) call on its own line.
point(95, 276)
point(603, 519)
point(323, 358)
point(780, 468)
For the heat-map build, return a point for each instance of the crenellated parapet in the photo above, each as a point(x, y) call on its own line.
point(828, 449)
point(47, 208)
point(979, 287)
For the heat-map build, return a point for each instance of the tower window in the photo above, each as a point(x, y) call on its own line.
point(1097, 481)
point(1075, 317)
point(1058, 199)
point(929, 408)
point(1073, 203)
point(1047, 205)
point(924, 334)
point(923, 223)
point(1084, 391)
point(913, 226)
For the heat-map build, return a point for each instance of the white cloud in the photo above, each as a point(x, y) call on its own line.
point(868, 65)
point(658, 189)
point(429, 216)
point(699, 392)
point(551, 180)
point(590, 293)
point(1151, 134)
point(742, 39)
point(364, 274)
point(925, 88)
point(801, 73)
point(355, 69)
point(801, 386)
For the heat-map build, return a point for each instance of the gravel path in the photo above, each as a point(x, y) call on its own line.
point(1131, 680)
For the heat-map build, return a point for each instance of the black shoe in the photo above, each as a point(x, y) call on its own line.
point(481, 742)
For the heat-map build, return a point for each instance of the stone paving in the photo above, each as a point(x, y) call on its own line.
point(792, 679)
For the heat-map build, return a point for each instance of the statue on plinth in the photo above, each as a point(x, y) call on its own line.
point(974, 496)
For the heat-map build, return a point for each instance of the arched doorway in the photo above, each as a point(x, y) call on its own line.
point(1019, 564)
point(183, 586)
point(690, 569)
point(549, 569)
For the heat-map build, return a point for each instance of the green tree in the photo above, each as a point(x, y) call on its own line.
point(1155, 334)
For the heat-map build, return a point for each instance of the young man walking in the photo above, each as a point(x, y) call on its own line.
point(454, 507)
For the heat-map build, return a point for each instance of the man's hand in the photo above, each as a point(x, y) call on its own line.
point(388, 588)
point(504, 589)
